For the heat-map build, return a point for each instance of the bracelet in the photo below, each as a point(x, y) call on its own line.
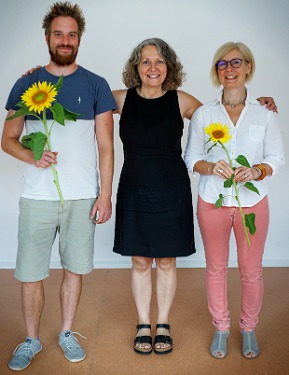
point(263, 171)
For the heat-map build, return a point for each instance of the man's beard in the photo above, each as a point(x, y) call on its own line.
point(63, 60)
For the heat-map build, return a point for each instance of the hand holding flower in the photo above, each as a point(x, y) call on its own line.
point(47, 158)
point(35, 101)
point(243, 174)
point(236, 177)
point(222, 169)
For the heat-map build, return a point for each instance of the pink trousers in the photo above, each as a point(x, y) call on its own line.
point(216, 225)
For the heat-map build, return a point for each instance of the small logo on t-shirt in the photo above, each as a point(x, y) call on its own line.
point(79, 99)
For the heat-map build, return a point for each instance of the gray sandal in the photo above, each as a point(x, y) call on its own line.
point(218, 348)
point(250, 348)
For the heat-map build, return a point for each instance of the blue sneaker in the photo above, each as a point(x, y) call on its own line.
point(72, 349)
point(24, 353)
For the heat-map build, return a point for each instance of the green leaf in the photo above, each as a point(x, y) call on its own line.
point(71, 116)
point(250, 222)
point(58, 113)
point(20, 104)
point(219, 201)
point(26, 141)
point(24, 111)
point(243, 161)
point(35, 142)
point(251, 186)
point(58, 84)
point(229, 182)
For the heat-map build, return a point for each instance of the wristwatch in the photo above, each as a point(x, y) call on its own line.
point(263, 171)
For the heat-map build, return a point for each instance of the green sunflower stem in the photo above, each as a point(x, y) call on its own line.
point(242, 213)
point(227, 153)
point(56, 181)
point(237, 197)
point(54, 171)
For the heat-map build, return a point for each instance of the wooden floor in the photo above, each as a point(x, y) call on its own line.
point(107, 317)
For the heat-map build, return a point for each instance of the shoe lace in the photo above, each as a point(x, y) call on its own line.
point(26, 349)
point(71, 341)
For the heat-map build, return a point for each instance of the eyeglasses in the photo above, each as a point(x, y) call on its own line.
point(235, 63)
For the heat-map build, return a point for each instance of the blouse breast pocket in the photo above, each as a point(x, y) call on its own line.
point(256, 133)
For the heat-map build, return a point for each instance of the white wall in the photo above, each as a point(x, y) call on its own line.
point(195, 29)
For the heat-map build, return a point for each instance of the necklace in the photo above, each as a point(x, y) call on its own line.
point(146, 96)
point(233, 105)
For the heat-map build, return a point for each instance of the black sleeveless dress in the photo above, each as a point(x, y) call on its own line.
point(154, 213)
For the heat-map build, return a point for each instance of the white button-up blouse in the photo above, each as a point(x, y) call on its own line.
point(257, 135)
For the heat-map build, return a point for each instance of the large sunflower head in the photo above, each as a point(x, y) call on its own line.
point(39, 96)
point(218, 132)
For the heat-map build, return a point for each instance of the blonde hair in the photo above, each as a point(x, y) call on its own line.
point(226, 48)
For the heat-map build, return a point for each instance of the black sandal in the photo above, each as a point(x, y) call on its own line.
point(163, 339)
point(143, 340)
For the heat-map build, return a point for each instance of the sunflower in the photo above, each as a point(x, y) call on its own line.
point(218, 132)
point(39, 96)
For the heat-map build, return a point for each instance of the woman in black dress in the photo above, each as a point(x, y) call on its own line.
point(154, 214)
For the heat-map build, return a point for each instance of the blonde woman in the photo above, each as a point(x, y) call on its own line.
point(255, 133)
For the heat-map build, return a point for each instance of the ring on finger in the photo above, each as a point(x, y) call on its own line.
point(245, 176)
point(220, 170)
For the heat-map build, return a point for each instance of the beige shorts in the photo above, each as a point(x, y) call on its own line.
point(39, 222)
